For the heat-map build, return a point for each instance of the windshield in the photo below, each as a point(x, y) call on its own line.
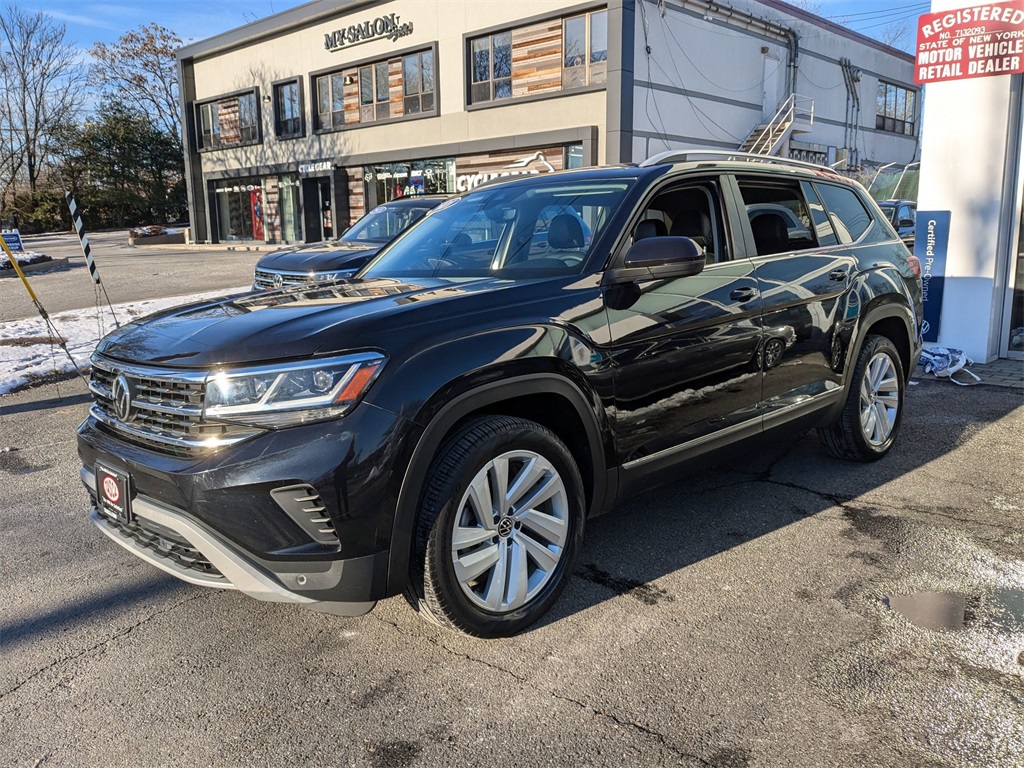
point(385, 222)
point(545, 226)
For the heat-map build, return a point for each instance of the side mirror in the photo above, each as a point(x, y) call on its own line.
point(658, 258)
point(904, 223)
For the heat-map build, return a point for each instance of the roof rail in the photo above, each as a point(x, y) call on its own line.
point(688, 155)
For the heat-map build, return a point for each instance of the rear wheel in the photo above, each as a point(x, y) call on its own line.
point(499, 530)
point(870, 421)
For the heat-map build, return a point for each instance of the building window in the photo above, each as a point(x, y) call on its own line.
point(381, 90)
point(585, 50)
point(418, 82)
point(229, 121)
point(209, 126)
point(896, 109)
point(492, 67)
point(288, 110)
point(540, 59)
point(374, 92)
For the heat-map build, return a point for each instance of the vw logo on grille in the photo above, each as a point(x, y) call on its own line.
point(122, 396)
point(278, 281)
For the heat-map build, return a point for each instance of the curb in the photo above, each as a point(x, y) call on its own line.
point(38, 267)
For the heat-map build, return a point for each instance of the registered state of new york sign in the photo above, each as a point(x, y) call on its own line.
point(980, 41)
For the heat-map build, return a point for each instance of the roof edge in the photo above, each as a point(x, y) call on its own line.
point(831, 26)
point(298, 16)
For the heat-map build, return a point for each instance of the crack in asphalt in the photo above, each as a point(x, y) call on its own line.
point(554, 694)
point(101, 646)
point(635, 726)
point(850, 505)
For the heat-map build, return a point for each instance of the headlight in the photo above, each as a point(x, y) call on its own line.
point(328, 277)
point(283, 395)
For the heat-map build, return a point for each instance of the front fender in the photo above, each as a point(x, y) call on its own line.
point(543, 360)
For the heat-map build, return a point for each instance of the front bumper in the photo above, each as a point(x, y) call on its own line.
point(301, 515)
point(169, 539)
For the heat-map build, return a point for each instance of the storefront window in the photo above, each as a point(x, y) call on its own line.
point(391, 181)
point(574, 156)
point(240, 214)
point(291, 212)
point(1017, 301)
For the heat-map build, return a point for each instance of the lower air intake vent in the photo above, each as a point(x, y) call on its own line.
point(304, 505)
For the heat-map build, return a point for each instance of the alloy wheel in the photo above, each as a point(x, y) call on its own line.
point(879, 399)
point(510, 531)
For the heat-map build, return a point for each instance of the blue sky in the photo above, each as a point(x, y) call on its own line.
point(90, 22)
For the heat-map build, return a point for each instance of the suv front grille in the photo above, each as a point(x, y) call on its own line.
point(265, 278)
point(166, 413)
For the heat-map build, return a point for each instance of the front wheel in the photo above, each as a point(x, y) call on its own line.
point(500, 526)
point(870, 420)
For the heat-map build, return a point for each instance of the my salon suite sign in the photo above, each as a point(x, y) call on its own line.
point(388, 27)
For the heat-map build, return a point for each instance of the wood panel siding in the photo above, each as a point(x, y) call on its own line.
point(356, 195)
point(230, 129)
point(537, 59)
point(395, 87)
point(351, 91)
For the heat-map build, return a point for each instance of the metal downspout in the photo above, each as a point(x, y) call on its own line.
point(794, 59)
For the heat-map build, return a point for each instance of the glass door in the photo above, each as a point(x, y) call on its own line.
point(1015, 326)
point(1012, 343)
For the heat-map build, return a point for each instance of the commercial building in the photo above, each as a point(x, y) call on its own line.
point(970, 235)
point(298, 123)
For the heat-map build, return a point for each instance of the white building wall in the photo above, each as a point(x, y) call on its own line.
point(965, 169)
point(709, 76)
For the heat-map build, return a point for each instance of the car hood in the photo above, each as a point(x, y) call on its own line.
point(284, 324)
point(320, 257)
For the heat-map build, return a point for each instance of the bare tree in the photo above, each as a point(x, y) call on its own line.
point(141, 69)
point(810, 6)
point(898, 35)
point(41, 88)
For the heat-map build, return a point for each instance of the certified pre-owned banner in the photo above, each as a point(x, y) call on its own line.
point(981, 41)
point(931, 244)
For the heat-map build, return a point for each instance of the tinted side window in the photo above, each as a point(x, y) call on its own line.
point(822, 227)
point(849, 216)
point(691, 210)
point(779, 218)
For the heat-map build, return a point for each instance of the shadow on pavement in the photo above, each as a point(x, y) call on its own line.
point(53, 402)
point(98, 607)
point(672, 527)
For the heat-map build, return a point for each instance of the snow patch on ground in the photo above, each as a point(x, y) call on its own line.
point(27, 353)
point(23, 258)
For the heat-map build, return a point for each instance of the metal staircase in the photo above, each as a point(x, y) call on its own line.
point(794, 115)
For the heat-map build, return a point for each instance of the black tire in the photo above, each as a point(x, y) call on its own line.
point(435, 589)
point(848, 437)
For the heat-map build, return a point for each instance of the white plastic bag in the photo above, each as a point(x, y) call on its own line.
point(943, 362)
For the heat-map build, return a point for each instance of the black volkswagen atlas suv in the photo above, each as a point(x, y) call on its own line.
point(444, 423)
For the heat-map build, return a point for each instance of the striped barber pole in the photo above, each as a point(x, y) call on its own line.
point(80, 228)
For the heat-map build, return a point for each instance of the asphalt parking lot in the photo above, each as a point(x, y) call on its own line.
point(129, 273)
point(756, 615)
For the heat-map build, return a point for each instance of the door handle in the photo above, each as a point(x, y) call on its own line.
point(743, 294)
point(838, 275)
